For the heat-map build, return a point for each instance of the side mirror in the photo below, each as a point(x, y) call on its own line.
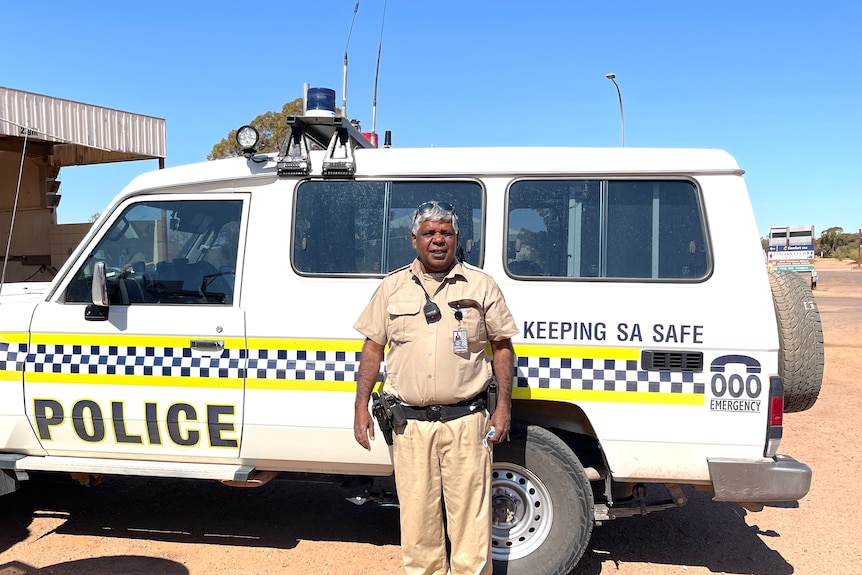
point(99, 292)
point(98, 310)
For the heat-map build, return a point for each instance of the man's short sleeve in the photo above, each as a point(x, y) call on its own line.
point(372, 322)
point(498, 319)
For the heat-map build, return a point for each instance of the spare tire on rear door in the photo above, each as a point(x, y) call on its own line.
point(800, 357)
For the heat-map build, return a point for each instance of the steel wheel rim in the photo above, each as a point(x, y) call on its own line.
point(521, 511)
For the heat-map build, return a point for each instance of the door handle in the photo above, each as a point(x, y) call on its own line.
point(208, 345)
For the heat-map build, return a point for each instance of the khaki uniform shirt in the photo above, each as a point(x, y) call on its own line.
point(422, 367)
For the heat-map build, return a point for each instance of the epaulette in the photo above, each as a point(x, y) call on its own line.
point(401, 269)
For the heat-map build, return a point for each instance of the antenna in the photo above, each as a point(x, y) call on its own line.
point(376, 76)
point(15, 204)
point(344, 81)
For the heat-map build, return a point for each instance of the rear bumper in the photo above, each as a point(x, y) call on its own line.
point(781, 478)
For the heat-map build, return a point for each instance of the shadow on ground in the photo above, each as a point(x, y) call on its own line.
point(125, 564)
point(701, 533)
point(277, 515)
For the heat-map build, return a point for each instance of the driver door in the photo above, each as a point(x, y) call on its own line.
point(159, 372)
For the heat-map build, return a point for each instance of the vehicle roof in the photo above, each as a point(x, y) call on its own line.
point(464, 162)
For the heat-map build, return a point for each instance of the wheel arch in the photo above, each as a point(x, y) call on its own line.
point(553, 415)
point(568, 422)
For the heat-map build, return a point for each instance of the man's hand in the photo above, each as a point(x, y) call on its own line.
point(504, 370)
point(363, 427)
point(366, 377)
point(501, 421)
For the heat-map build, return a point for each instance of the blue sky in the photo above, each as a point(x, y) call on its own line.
point(776, 84)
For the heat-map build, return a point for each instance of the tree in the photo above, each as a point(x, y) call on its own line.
point(272, 127)
point(834, 243)
point(847, 252)
point(828, 241)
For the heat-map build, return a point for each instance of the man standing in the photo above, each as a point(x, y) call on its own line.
point(438, 315)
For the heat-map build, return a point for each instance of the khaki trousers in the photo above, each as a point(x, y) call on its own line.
point(444, 462)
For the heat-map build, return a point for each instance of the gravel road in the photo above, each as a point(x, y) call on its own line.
point(180, 527)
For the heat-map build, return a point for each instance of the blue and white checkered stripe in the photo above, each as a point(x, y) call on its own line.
point(134, 360)
point(311, 365)
point(601, 375)
point(182, 362)
point(12, 356)
point(293, 364)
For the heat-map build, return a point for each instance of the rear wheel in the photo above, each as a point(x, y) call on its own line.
point(542, 505)
point(800, 357)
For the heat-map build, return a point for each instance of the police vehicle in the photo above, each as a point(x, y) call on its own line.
point(202, 329)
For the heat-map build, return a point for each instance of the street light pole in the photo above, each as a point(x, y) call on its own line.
point(612, 78)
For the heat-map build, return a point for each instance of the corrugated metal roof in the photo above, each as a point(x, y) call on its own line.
point(80, 133)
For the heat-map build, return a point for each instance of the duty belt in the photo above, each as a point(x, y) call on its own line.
point(444, 412)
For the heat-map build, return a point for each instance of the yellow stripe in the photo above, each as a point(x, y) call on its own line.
point(596, 395)
point(518, 393)
point(10, 376)
point(305, 344)
point(523, 350)
point(137, 380)
point(16, 337)
point(526, 350)
point(131, 340)
point(301, 385)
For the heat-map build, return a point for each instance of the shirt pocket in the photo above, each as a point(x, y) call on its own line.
point(472, 319)
point(403, 319)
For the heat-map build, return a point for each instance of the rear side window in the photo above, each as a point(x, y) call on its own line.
point(363, 227)
point(614, 229)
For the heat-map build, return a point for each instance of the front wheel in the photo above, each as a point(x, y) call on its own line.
point(542, 505)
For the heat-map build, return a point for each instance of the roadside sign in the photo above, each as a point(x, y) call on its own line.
point(793, 268)
point(792, 248)
point(791, 257)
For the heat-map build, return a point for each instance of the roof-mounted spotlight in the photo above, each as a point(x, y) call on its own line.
point(248, 139)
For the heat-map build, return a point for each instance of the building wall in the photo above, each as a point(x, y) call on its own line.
point(64, 239)
point(38, 246)
point(32, 181)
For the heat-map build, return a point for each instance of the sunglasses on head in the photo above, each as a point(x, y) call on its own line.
point(427, 207)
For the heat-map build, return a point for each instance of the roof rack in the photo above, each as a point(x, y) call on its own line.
point(333, 133)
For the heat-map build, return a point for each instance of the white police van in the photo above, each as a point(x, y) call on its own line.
point(202, 329)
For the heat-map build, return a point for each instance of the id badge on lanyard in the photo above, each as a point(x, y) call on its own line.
point(459, 341)
point(459, 336)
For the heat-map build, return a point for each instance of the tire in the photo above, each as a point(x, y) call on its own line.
point(800, 338)
point(542, 505)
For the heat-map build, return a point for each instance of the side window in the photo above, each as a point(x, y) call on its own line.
point(606, 229)
point(167, 252)
point(654, 230)
point(363, 227)
point(338, 227)
point(554, 228)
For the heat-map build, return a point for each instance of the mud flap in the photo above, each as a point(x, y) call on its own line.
point(8, 482)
